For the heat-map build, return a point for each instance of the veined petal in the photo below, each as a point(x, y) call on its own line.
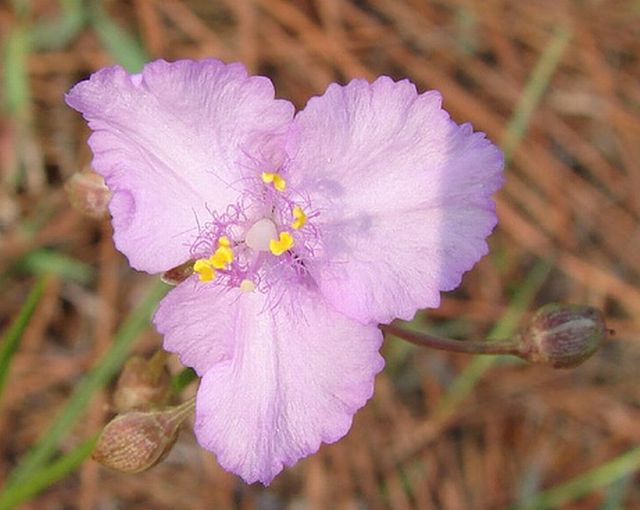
point(168, 142)
point(297, 374)
point(403, 195)
point(191, 317)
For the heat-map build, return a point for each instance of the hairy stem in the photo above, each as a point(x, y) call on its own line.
point(506, 346)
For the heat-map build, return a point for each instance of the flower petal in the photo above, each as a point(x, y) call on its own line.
point(191, 317)
point(297, 374)
point(168, 142)
point(403, 195)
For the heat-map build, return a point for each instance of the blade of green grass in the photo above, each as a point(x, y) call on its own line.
point(466, 381)
point(66, 464)
point(56, 34)
point(183, 379)
point(467, 29)
point(26, 166)
point(100, 375)
point(534, 89)
point(515, 131)
point(462, 386)
point(605, 474)
point(119, 43)
point(615, 494)
point(11, 339)
point(48, 475)
point(49, 261)
point(508, 325)
point(16, 85)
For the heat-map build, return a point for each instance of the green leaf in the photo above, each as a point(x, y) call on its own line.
point(601, 476)
point(48, 261)
point(534, 89)
point(11, 339)
point(16, 83)
point(48, 475)
point(118, 42)
point(57, 33)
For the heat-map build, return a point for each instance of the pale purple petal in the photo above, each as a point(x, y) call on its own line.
point(297, 373)
point(170, 143)
point(191, 317)
point(403, 195)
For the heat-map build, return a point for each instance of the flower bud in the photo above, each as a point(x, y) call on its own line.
point(562, 336)
point(143, 384)
point(136, 441)
point(88, 193)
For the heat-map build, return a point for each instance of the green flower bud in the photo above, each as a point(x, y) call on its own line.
point(143, 384)
point(136, 441)
point(562, 336)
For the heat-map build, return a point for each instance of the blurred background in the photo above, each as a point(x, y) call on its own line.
point(554, 82)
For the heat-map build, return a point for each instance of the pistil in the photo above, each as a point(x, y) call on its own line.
point(260, 234)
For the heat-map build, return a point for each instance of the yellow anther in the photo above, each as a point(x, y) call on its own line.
point(300, 218)
point(278, 182)
point(284, 243)
point(218, 260)
point(223, 256)
point(205, 271)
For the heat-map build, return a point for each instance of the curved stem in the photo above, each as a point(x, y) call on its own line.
point(178, 413)
point(506, 346)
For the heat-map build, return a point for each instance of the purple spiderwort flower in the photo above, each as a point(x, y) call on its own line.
point(307, 230)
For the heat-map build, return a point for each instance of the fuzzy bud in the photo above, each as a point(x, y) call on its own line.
point(143, 384)
point(562, 336)
point(88, 193)
point(136, 441)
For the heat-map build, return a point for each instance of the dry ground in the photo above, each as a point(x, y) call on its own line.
point(568, 231)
